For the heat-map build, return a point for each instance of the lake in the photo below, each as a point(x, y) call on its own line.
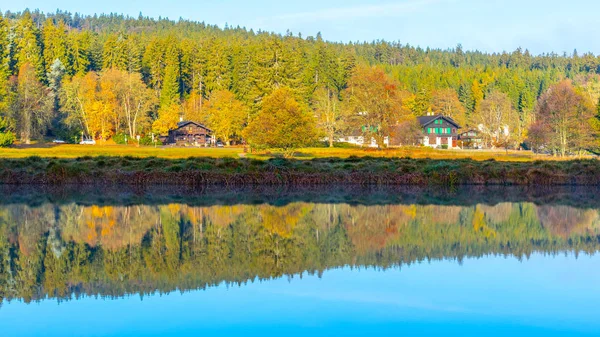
point(297, 261)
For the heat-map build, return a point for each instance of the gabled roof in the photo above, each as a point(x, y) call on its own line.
point(185, 123)
point(426, 120)
point(470, 130)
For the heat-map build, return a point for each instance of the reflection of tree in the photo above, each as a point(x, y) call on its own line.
point(58, 251)
point(565, 221)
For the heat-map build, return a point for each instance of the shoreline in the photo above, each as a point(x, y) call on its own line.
point(35, 195)
point(362, 171)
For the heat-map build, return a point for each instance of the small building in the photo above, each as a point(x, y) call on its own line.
point(359, 137)
point(439, 131)
point(470, 139)
point(191, 134)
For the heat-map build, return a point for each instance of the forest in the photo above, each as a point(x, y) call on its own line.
point(66, 250)
point(113, 77)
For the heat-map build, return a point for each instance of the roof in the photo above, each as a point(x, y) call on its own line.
point(184, 123)
point(470, 130)
point(425, 120)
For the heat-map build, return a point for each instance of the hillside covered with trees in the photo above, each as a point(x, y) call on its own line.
point(111, 76)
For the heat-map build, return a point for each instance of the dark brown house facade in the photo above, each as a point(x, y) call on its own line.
point(190, 133)
point(439, 131)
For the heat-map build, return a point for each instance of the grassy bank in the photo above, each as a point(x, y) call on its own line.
point(74, 151)
point(321, 171)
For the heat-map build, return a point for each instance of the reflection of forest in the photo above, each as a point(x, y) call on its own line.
point(60, 250)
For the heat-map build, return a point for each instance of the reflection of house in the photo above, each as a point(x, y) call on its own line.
point(439, 131)
point(190, 133)
point(471, 139)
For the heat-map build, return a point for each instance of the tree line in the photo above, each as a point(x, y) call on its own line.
point(111, 76)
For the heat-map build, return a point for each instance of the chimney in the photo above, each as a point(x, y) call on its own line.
point(181, 118)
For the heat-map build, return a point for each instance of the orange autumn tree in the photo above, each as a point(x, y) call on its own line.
point(282, 123)
point(376, 102)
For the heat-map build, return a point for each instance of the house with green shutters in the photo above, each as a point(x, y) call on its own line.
point(439, 131)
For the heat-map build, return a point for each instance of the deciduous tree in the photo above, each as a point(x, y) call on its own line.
point(565, 116)
point(168, 117)
point(226, 116)
point(375, 101)
point(31, 108)
point(282, 123)
point(331, 116)
point(445, 102)
point(497, 120)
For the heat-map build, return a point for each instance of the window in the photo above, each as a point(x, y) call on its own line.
point(448, 131)
point(429, 130)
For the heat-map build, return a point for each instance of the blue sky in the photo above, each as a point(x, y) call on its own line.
point(487, 25)
point(491, 296)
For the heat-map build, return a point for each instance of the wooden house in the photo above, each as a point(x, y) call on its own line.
point(471, 139)
point(191, 134)
point(439, 131)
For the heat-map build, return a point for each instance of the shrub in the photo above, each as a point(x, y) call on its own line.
point(119, 138)
point(7, 138)
point(147, 140)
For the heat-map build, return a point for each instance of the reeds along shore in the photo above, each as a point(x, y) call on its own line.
point(278, 171)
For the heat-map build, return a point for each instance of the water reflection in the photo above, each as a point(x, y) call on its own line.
point(66, 249)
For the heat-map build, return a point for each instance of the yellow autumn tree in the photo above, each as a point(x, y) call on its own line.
point(282, 123)
point(226, 115)
point(168, 117)
point(192, 108)
point(91, 105)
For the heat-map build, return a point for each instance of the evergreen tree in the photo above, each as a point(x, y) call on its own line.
point(29, 50)
point(55, 44)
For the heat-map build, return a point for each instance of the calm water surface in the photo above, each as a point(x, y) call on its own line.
point(453, 263)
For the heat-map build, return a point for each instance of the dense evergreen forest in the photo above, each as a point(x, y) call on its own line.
point(64, 250)
point(111, 76)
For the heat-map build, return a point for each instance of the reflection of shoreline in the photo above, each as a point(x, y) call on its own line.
point(582, 197)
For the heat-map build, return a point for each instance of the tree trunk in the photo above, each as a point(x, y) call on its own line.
point(331, 138)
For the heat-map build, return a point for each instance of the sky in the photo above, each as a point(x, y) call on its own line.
point(541, 26)
point(490, 296)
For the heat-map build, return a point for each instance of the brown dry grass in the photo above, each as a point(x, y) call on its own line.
point(74, 151)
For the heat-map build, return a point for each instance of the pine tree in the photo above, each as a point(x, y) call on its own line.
point(4, 64)
point(29, 50)
point(170, 91)
point(55, 44)
point(80, 56)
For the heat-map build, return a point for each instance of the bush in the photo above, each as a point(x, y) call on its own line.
point(7, 138)
point(119, 138)
point(147, 140)
point(444, 147)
